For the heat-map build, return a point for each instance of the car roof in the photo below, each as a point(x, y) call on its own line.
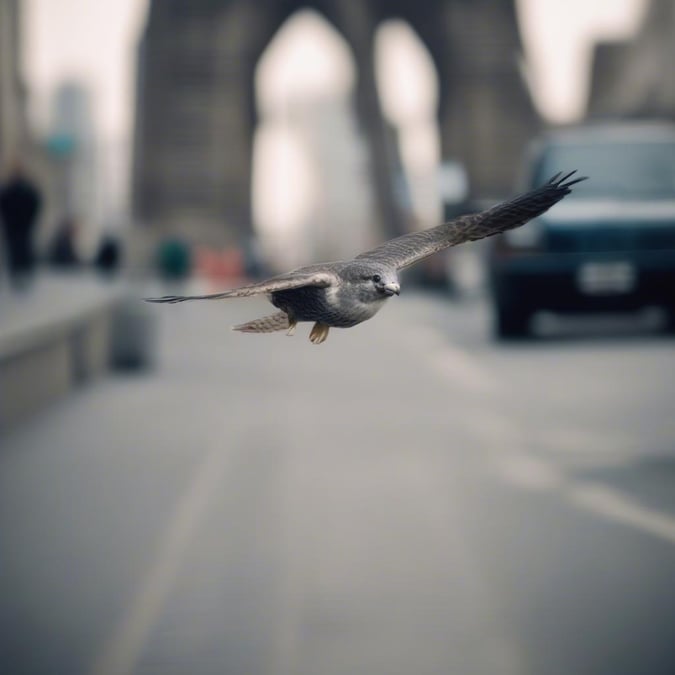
point(612, 131)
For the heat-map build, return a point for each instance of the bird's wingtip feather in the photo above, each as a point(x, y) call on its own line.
point(164, 298)
point(561, 180)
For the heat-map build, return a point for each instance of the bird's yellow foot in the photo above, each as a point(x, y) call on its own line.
point(319, 333)
point(291, 327)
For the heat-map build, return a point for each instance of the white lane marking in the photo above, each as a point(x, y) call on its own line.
point(460, 367)
point(523, 469)
point(455, 363)
point(613, 505)
point(530, 473)
point(583, 446)
point(121, 653)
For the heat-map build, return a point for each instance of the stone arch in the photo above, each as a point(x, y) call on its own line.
point(486, 114)
point(196, 106)
point(196, 112)
point(356, 22)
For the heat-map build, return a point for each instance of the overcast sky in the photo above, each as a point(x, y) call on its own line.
point(95, 41)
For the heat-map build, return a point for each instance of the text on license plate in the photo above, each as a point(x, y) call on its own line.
point(606, 278)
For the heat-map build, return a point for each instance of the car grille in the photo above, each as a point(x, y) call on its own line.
point(597, 239)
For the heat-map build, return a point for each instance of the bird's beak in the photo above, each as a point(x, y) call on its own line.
point(392, 289)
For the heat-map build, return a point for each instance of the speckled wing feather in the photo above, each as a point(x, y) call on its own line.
point(411, 248)
point(284, 282)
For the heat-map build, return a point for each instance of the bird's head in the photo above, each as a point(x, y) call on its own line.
point(375, 282)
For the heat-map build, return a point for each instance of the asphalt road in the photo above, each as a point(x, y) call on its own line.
point(407, 498)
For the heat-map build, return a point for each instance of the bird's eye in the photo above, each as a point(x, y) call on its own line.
point(377, 278)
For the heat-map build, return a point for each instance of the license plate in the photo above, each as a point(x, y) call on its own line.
point(606, 278)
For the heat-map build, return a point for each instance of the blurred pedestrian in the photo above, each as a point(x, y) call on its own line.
point(20, 203)
point(109, 255)
point(62, 250)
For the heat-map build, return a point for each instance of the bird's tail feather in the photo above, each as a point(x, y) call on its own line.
point(267, 324)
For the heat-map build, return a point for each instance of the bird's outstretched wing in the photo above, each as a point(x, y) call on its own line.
point(411, 248)
point(284, 282)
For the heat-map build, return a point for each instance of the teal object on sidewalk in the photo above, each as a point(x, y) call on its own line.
point(174, 259)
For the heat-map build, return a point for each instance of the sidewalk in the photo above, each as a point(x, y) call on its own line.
point(53, 334)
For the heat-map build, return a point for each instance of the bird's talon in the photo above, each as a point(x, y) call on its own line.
point(319, 333)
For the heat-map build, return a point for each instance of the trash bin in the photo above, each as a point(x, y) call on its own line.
point(133, 335)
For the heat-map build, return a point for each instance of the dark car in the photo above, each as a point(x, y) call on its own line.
point(608, 246)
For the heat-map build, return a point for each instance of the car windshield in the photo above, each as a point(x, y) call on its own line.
point(618, 170)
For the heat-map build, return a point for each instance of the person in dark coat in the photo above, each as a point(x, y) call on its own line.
point(20, 203)
point(109, 255)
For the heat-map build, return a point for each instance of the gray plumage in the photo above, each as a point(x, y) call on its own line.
point(345, 293)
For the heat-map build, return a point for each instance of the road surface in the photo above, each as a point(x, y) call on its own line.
point(407, 498)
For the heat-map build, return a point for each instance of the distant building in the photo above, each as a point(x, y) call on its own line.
point(636, 78)
point(12, 91)
point(71, 148)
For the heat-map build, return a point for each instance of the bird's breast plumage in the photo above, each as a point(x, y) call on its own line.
point(341, 306)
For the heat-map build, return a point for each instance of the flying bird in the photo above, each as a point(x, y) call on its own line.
point(345, 293)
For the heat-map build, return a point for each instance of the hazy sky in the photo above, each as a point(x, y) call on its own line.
point(90, 40)
point(558, 36)
point(95, 40)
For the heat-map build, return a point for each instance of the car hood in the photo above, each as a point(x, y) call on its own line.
point(611, 211)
